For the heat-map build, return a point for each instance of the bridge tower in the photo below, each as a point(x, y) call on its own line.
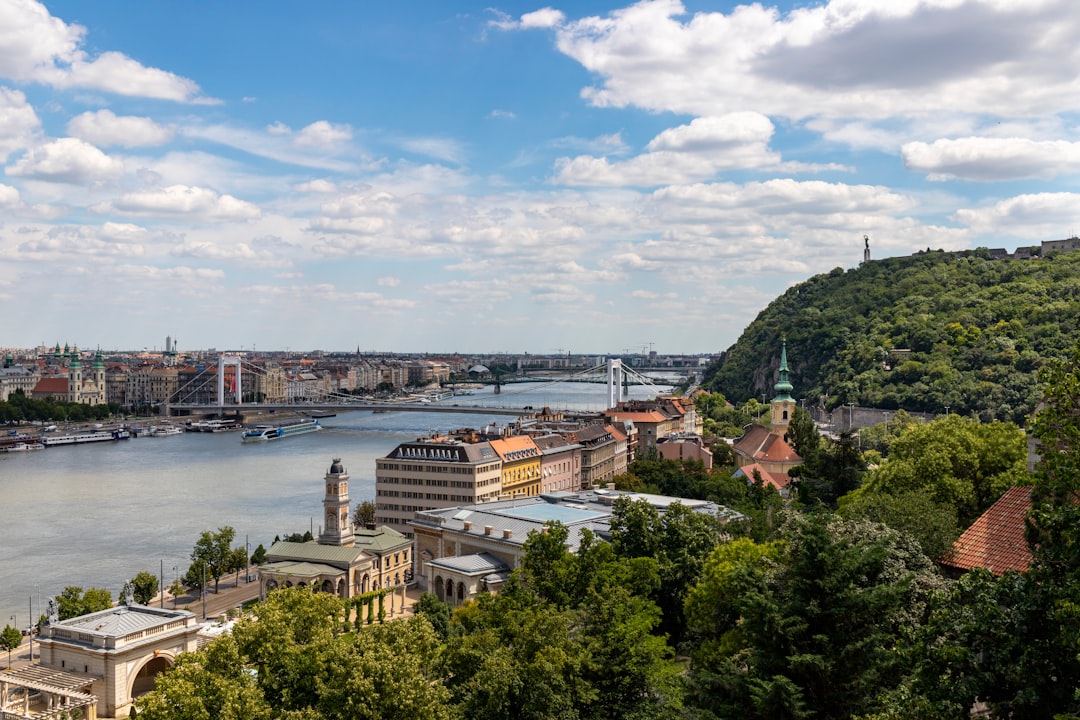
point(614, 381)
point(223, 362)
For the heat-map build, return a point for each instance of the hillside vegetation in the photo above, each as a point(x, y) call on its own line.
point(922, 332)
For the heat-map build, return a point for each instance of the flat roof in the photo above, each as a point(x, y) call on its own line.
point(546, 512)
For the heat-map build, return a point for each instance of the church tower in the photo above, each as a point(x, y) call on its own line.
point(99, 379)
point(337, 529)
point(74, 377)
point(783, 405)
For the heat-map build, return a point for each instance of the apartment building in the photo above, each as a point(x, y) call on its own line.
point(434, 473)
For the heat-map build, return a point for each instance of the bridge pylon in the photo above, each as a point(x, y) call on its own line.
point(614, 381)
point(223, 362)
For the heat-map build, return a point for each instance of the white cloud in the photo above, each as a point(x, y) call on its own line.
point(316, 186)
point(992, 159)
point(182, 201)
point(9, 197)
point(67, 160)
point(104, 128)
point(1036, 216)
point(682, 154)
point(388, 281)
point(438, 148)
point(323, 134)
point(37, 47)
point(19, 124)
point(840, 59)
point(543, 18)
point(502, 114)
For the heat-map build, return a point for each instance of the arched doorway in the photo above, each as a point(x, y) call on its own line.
point(144, 679)
point(440, 591)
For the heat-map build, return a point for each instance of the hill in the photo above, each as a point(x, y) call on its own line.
point(922, 333)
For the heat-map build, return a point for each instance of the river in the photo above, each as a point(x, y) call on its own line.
point(95, 515)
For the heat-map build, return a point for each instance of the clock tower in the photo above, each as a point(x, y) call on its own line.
point(337, 530)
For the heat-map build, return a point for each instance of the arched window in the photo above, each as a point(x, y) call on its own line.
point(440, 591)
point(461, 592)
point(449, 590)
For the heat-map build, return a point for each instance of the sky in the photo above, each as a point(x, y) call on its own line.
point(438, 177)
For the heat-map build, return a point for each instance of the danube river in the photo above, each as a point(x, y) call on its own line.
point(95, 515)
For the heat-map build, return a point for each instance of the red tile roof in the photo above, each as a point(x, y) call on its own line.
point(776, 480)
point(996, 540)
point(760, 444)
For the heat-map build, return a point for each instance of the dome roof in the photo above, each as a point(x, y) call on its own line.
point(336, 467)
point(478, 369)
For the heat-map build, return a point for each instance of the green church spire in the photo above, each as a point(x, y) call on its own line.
point(783, 387)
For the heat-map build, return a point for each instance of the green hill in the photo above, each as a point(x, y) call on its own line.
point(921, 332)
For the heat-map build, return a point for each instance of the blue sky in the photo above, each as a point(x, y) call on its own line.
point(434, 176)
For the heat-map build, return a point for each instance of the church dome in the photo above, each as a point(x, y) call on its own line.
point(336, 467)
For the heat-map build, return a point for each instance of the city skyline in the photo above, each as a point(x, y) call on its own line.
point(507, 178)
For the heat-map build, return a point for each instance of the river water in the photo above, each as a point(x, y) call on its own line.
point(95, 515)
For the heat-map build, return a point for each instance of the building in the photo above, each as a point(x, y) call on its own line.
point(766, 447)
point(346, 561)
point(520, 466)
point(996, 540)
point(560, 464)
point(685, 447)
point(463, 551)
point(14, 378)
point(433, 473)
point(98, 663)
point(598, 446)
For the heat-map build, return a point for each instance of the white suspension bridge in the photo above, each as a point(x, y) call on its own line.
point(230, 399)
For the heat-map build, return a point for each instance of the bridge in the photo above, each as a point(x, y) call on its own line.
point(310, 408)
point(616, 374)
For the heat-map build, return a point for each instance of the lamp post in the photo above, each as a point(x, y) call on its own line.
point(176, 575)
point(14, 624)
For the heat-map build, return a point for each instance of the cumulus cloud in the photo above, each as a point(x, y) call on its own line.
point(9, 197)
point(319, 145)
point(323, 134)
point(837, 59)
point(37, 47)
point(194, 203)
point(104, 128)
point(992, 159)
point(1035, 215)
point(682, 154)
point(19, 124)
point(67, 160)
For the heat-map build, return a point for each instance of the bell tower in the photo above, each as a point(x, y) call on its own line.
point(337, 529)
point(783, 405)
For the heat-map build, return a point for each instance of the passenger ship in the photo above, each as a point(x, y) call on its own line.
point(259, 433)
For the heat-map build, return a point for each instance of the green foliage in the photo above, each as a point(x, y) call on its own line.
point(10, 638)
point(810, 627)
point(436, 611)
point(20, 408)
point(960, 462)
point(258, 557)
point(974, 332)
point(364, 515)
point(915, 513)
point(213, 552)
point(144, 587)
point(73, 602)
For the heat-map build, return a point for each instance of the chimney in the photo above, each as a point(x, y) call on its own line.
point(468, 525)
point(507, 533)
point(488, 529)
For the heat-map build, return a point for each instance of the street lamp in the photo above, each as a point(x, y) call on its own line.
point(14, 624)
point(176, 574)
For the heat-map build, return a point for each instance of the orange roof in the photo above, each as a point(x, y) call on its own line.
point(515, 447)
point(996, 540)
point(57, 385)
point(619, 435)
point(650, 416)
point(776, 480)
point(760, 444)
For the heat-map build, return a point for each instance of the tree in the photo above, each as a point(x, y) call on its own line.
point(259, 556)
point(933, 525)
point(436, 611)
point(73, 602)
point(214, 551)
point(144, 587)
point(10, 639)
point(364, 515)
point(808, 628)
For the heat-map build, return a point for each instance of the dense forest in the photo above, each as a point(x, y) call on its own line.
point(921, 333)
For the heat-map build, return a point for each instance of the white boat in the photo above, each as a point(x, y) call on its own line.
point(90, 437)
point(23, 447)
point(261, 433)
point(164, 431)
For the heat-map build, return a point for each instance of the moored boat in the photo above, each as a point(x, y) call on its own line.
point(164, 431)
point(261, 433)
point(90, 437)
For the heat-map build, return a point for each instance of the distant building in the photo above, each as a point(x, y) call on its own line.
point(769, 448)
point(996, 540)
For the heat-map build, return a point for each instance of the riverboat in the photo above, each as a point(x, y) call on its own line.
point(212, 426)
point(262, 433)
point(90, 437)
point(163, 431)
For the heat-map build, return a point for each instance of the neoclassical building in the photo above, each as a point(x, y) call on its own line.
point(345, 561)
point(97, 664)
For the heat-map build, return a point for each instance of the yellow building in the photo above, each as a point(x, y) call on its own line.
point(521, 475)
